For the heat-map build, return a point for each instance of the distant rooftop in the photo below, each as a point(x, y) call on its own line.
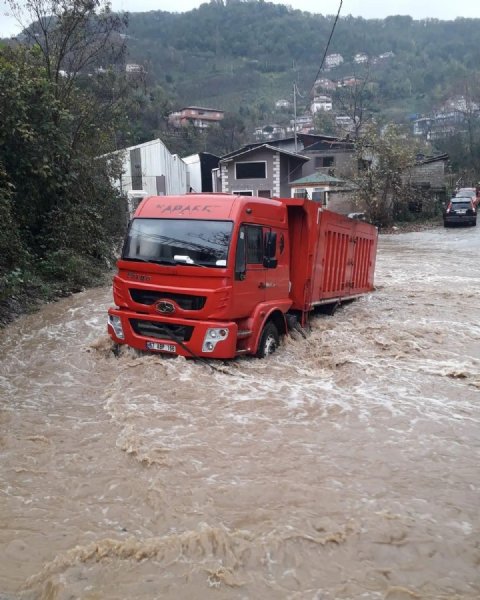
point(317, 178)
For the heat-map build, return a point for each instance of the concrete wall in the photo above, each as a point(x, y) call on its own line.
point(344, 165)
point(290, 169)
point(280, 170)
point(430, 173)
point(271, 182)
point(194, 171)
point(341, 201)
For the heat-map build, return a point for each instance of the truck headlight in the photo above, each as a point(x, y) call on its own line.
point(213, 335)
point(116, 324)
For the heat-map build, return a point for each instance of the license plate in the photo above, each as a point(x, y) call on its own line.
point(161, 347)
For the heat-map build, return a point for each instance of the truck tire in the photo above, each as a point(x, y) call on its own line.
point(269, 341)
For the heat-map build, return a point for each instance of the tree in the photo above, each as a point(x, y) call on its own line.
point(54, 190)
point(324, 123)
point(354, 100)
point(74, 37)
point(383, 160)
point(461, 136)
point(226, 136)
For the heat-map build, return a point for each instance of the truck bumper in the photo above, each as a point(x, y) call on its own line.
point(174, 336)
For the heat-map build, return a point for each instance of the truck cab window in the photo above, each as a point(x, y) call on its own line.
point(240, 255)
point(254, 244)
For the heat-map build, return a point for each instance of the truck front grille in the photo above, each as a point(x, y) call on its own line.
point(164, 331)
point(185, 301)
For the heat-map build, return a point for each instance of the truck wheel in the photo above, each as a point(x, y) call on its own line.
point(269, 341)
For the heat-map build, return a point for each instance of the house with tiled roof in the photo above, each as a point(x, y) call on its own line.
point(260, 170)
point(331, 192)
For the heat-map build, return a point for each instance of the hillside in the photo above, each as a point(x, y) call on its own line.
point(245, 55)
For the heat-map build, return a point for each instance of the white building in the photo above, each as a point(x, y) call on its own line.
point(321, 103)
point(422, 126)
point(360, 58)
point(269, 132)
point(133, 68)
point(280, 104)
point(150, 170)
point(303, 123)
point(461, 104)
point(333, 60)
point(199, 171)
point(344, 122)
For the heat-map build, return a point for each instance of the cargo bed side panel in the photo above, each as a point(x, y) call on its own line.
point(344, 259)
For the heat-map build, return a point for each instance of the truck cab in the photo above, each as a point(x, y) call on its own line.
point(200, 275)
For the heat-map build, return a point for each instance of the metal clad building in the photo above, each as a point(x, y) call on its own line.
point(150, 167)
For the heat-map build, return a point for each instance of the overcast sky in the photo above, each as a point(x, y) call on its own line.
point(369, 9)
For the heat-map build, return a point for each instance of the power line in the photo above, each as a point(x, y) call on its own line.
point(328, 44)
point(326, 50)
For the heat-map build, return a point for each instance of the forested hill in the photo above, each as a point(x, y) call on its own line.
point(245, 53)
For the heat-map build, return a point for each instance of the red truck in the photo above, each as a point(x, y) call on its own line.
point(216, 275)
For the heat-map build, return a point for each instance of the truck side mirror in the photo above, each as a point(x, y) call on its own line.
point(269, 260)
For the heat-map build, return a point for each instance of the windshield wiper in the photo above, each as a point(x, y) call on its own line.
point(162, 261)
point(134, 259)
point(156, 261)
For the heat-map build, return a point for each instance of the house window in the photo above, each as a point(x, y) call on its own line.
point(319, 196)
point(300, 193)
point(251, 170)
point(254, 245)
point(136, 167)
point(324, 161)
point(243, 192)
point(264, 193)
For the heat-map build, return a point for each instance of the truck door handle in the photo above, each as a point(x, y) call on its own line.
point(262, 285)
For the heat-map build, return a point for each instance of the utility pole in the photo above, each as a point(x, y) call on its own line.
point(295, 114)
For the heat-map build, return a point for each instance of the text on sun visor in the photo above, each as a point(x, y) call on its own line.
point(190, 208)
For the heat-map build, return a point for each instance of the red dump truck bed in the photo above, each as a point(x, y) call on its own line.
point(332, 257)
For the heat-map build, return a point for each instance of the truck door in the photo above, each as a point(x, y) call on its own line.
point(277, 274)
point(250, 274)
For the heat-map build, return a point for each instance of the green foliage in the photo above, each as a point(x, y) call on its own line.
point(11, 250)
point(381, 187)
point(325, 122)
point(463, 143)
point(61, 219)
point(227, 54)
point(69, 269)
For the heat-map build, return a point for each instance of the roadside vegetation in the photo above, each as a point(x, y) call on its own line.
point(60, 217)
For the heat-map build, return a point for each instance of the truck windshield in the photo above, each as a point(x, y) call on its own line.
point(178, 241)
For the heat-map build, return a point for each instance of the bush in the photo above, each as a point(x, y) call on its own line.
point(71, 270)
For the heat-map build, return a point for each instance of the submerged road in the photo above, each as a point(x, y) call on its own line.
point(346, 466)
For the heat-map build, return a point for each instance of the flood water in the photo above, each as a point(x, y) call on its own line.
point(346, 466)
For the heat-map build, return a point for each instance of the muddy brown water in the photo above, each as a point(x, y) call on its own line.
point(346, 466)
